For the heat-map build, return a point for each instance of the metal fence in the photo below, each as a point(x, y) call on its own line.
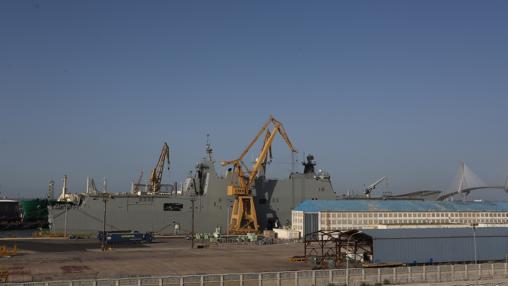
point(335, 277)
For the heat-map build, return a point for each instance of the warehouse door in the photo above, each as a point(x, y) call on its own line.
point(310, 224)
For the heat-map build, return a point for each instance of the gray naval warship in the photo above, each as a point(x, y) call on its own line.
point(171, 211)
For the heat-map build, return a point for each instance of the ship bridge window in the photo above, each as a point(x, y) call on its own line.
point(173, 207)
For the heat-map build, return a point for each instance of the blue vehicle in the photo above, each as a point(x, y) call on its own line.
point(125, 237)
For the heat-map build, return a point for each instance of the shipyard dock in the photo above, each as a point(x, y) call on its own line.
point(173, 263)
point(63, 259)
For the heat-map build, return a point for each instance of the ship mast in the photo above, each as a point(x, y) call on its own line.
point(208, 149)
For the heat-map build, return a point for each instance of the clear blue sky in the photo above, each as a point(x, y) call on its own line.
point(406, 89)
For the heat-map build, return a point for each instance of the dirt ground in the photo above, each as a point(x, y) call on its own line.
point(59, 259)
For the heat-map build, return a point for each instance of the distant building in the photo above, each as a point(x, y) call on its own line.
point(314, 215)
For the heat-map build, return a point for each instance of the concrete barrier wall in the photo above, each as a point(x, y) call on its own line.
point(332, 277)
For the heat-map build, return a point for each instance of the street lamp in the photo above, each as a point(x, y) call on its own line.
point(227, 225)
point(227, 219)
point(347, 260)
point(473, 226)
point(65, 220)
point(105, 198)
point(193, 199)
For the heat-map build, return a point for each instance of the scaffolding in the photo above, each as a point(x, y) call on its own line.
point(325, 247)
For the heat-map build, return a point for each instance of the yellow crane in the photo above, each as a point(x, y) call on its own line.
point(243, 217)
point(156, 177)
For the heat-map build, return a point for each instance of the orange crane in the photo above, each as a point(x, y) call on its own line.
point(156, 177)
point(243, 217)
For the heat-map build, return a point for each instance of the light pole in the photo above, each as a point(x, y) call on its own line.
point(105, 198)
point(104, 225)
point(347, 260)
point(473, 225)
point(227, 226)
point(193, 199)
point(227, 219)
point(65, 220)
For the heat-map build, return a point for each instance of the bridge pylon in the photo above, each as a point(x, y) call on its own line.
point(467, 181)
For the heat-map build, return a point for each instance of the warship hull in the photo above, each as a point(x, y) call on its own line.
point(203, 197)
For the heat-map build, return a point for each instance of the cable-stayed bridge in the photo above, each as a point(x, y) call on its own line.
point(467, 181)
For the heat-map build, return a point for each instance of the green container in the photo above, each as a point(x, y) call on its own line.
point(34, 210)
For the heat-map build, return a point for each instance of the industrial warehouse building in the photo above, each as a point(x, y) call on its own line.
point(410, 245)
point(314, 215)
point(436, 245)
point(433, 245)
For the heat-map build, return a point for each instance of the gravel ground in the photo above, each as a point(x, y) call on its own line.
point(58, 259)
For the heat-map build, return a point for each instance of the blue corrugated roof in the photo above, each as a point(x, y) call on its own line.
point(441, 233)
point(399, 206)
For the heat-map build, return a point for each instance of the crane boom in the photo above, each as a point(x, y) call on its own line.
point(243, 217)
point(372, 186)
point(138, 183)
point(265, 126)
point(156, 177)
